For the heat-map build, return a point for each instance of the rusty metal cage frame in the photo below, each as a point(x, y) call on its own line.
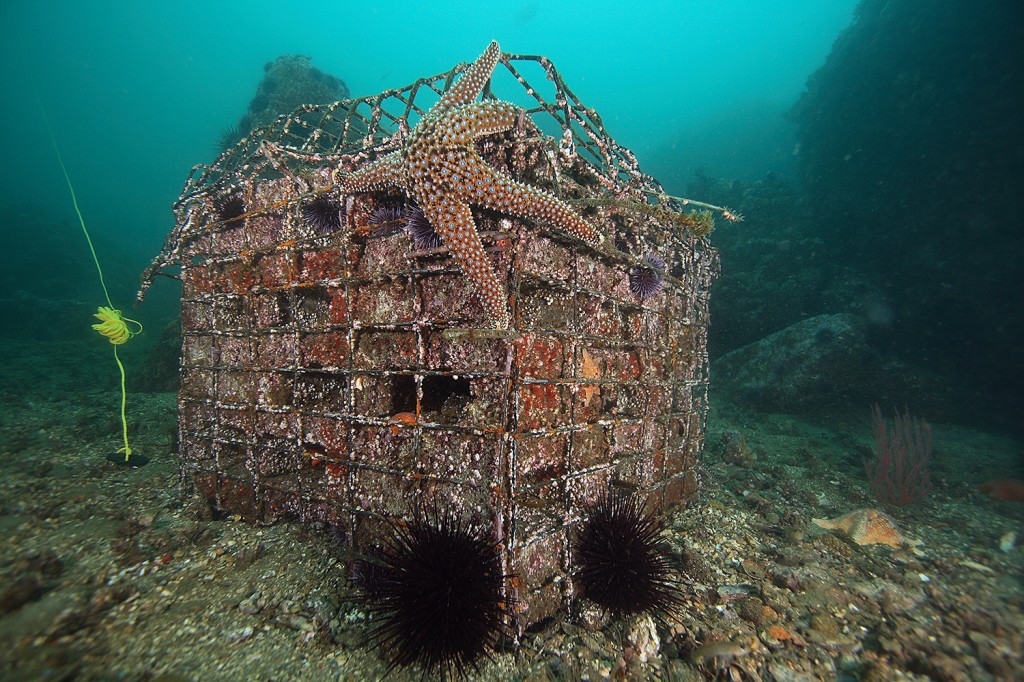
point(378, 123)
point(269, 300)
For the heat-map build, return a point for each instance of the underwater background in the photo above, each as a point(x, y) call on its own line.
point(874, 148)
point(137, 94)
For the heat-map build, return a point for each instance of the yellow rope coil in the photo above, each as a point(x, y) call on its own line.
point(111, 323)
point(115, 327)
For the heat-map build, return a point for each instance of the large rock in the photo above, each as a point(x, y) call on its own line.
point(911, 156)
point(823, 360)
point(288, 82)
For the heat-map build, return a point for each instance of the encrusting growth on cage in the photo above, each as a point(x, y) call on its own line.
point(337, 368)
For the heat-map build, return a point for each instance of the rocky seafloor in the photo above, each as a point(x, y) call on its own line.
point(108, 573)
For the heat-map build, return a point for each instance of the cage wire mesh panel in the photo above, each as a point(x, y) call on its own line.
point(334, 370)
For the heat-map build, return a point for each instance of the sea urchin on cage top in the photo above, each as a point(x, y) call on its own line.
point(334, 371)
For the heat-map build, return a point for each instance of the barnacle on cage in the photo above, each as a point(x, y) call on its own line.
point(699, 223)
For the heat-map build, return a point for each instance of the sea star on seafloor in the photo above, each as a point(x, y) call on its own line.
point(438, 166)
point(1008, 489)
point(868, 527)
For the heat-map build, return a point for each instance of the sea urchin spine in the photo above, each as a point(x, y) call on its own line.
point(323, 213)
point(623, 564)
point(385, 221)
point(435, 595)
point(423, 234)
point(230, 208)
point(645, 280)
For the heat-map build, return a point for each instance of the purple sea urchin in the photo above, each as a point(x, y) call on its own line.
point(385, 221)
point(323, 213)
point(435, 593)
point(423, 234)
point(645, 280)
point(623, 564)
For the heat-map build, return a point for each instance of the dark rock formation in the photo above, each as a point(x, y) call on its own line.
point(821, 361)
point(823, 365)
point(912, 160)
point(775, 271)
point(906, 216)
point(290, 81)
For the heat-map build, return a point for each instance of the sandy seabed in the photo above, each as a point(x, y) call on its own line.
point(109, 573)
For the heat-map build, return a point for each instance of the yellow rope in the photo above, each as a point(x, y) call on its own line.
point(124, 401)
point(114, 326)
point(111, 324)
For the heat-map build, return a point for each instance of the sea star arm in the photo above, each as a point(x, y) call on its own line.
point(387, 171)
point(439, 168)
point(472, 81)
point(497, 191)
point(454, 222)
point(485, 118)
point(478, 183)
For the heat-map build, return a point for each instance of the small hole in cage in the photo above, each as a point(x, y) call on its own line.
point(312, 305)
point(622, 485)
point(445, 394)
point(403, 394)
point(539, 626)
point(284, 307)
point(621, 243)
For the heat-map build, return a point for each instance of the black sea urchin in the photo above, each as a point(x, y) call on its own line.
point(323, 213)
point(435, 595)
point(230, 208)
point(645, 280)
point(229, 136)
point(623, 564)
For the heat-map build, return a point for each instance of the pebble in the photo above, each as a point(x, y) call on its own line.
point(723, 650)
point(251, 605)
point(643, 637)
point(241, 634)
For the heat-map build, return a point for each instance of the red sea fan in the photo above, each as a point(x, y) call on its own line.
point(899, 474)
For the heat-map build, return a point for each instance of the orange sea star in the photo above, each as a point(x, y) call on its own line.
point(868, 527)
point(1008, 489)
point(439, 168)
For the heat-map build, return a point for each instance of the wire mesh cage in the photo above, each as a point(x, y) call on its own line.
point(336, 368)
